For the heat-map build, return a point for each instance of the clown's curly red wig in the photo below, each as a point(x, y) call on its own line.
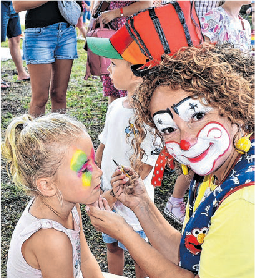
point(222, 75)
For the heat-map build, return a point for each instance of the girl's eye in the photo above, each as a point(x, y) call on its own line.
point(198, 116)
point(84, 170)
point(113, 64)
point(168, 130)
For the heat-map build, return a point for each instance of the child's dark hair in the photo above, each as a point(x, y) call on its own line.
point(221, 75)
point(34, 148)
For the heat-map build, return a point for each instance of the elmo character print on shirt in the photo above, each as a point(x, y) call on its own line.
point(195, 239)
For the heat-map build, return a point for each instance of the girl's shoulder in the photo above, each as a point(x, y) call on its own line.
point(49, 239)
point(47, 248)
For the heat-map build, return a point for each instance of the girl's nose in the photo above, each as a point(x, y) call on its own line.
point(185, 145)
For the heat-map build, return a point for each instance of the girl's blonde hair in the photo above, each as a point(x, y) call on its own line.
point(34, 148)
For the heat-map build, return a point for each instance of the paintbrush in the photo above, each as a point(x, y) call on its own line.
point(122, 168)
point(129, 186)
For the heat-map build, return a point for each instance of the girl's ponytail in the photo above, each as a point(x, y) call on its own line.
point(10, 146)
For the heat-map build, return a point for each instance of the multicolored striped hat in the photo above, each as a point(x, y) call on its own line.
point(149, 34)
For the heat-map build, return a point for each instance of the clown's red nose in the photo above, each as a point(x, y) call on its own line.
point(184, 145)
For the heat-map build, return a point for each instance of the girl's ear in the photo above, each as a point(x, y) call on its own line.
point(46, 187)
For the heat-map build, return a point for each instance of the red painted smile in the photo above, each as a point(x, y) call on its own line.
point(201, 156)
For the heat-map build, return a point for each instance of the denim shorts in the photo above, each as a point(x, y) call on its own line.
point(46, 44)
point(10, 21)
point(108, 239)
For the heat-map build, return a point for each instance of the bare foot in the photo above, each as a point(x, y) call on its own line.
point(23, 76)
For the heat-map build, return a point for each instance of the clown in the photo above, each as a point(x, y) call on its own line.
point(200, 101)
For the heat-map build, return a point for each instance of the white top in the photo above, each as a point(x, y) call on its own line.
point(116, 136)
point(17, 267)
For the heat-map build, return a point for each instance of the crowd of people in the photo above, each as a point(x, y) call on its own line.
point(181, 93)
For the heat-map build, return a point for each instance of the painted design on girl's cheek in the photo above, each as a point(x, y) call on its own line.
point(80, 164)
point(86, 178)
point(78, 160)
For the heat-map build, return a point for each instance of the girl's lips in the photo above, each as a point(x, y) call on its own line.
point(97, 187)
point(201, 156)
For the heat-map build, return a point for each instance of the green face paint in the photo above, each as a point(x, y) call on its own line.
point(78, 160)
point(80, 164)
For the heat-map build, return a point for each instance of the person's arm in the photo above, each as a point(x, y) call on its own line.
point(182, 184)
point(98, 154)
point(157, 229)
point(107, 16)
point(146, 169)
point(89, 265)
point(93, 7)
point(106, 194)
point(147, 257)
point(20, 6)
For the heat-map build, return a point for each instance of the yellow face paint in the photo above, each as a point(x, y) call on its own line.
point(80, 164)
point(86, 178)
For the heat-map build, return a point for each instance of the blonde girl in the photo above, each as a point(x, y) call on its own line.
point(53, 158)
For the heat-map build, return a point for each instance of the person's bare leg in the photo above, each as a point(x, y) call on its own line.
point(61, 70)
point(40, 78)
point(14, 46)
point(83, 31)
point(115, 257)
point(139, 272)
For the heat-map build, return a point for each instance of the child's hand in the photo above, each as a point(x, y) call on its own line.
point(127, 186)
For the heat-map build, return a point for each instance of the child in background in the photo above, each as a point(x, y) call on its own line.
point(225, 25)
point(53, 158)
point(116, 144)
point(122, 45)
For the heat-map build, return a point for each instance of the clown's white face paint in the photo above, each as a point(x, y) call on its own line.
point(212, 140)
point(212, 143)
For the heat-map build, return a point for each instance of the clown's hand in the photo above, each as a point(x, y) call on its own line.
point(128, 187)
point(106, 221)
